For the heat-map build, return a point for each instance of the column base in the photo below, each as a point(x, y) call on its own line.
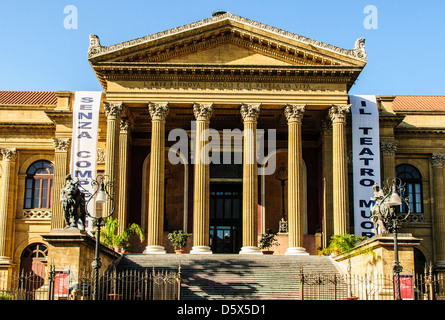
point(250, 250)
point(296, 251)
point(201, 250)
point(154, 250)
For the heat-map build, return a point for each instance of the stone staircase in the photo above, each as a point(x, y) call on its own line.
point(233, 276)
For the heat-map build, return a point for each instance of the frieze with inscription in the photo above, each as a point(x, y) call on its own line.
point(195, 85)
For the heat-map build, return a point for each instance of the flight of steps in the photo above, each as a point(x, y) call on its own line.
point(233, 276)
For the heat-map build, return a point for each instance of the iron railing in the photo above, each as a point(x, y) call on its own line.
point(318, 286)
point(53, 284)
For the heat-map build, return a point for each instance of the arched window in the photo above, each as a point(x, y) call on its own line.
point(39, 185)
point(411, 176)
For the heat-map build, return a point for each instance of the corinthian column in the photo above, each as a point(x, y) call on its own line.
point(340, 168)
point(124, 155)
point(113, 112)
point(61, 146)
point(9, 157)
point(294, 115)
point(201, 215)
point(437, 161)
point(250, 113)
point(155, 228)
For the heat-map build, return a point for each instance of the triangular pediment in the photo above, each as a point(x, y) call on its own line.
point(227, 54)
point(227, 39)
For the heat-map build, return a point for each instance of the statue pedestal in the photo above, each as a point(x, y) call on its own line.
point(76, 249)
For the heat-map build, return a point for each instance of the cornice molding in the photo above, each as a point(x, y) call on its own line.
point(228, 19)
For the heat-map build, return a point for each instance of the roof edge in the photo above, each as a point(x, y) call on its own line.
point(96, 49)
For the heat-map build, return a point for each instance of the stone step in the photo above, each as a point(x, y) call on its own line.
point(232, 276)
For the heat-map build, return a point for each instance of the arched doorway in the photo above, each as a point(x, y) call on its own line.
point(31, 265)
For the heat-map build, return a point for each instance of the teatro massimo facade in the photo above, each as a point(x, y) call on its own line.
point(223, 128)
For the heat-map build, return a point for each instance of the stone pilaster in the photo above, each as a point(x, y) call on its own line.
point(201, 203)
point(124, 160)
point(437, 161)
point(388, 150)
point(113, 112)
point(294, 115)
point(339, 168)
point(9, 158)
point(155, 228)
point(61, 159)
point(250, 113)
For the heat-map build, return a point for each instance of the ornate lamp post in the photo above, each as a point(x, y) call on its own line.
point(103, 192)
point(282, 176)
point(386, 217)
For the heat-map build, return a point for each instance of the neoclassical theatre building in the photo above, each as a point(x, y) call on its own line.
point(224, 128)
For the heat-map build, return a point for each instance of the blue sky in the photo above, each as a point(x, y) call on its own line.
point(405, 52)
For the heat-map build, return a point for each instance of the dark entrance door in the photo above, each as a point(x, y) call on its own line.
point(225, 217)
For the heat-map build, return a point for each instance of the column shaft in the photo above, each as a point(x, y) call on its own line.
point(113, 112)
point(201, 202)
point(340, 168)
point(124, 155)
point(9, 157)
point(250, 113)
point(155, 226)
point(294, 115)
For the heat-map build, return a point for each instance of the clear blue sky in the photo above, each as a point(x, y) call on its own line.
point(405, 52)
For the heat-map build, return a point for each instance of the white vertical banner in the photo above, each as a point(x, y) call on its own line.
point(366, 159)
point(84, 141)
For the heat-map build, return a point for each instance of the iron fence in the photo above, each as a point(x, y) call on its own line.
point(53, 284)
point(319, 286)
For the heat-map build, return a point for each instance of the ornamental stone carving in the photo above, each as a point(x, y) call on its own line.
point(437, 159)
point(359, 49)
point(294, 112)
point(125, 125)
point(389, 148)
point(101, 155)
point(113, 110)
point(9, 154)
point(95, 46)
point(250, 112)
point(61, 144)
point(158, 111)
point(203, 111)
point(338, 112)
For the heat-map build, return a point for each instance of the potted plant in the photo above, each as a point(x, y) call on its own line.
point(344, 244)
point(178, 239)
point(119, 241)
point(268, 240)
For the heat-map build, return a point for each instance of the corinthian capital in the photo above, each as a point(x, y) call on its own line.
point(113, 110)
point(125, 125)
point(250, 112)
point(9, 154)
point(338, 112)
point(203, 111)
point(294, 112)
point(388, 148)
point(158, 111)
point(61, 144)
point(437, 159)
